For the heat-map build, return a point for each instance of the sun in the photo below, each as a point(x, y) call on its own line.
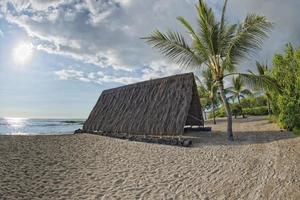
point(22, 53)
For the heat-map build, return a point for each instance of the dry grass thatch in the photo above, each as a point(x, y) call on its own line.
point(155, 107)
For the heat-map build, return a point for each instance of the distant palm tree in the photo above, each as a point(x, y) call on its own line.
point(204, 100)
point(208, 92)
point(238, 91)
point(263, 70)
point(216, 44)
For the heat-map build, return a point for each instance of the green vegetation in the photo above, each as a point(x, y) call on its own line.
point(255, 106)
point(257, 111)
point(208, 91)
point(264, 71)
point(218, 113)
point(220, 46)
point(254, 102)
point(282, 101)
point(286, 105)
point(238, 91)
point(216, 44)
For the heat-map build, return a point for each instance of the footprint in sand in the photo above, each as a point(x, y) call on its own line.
point(119, 182)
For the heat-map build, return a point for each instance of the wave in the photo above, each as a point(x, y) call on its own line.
point(43, 123)
point(73, 122)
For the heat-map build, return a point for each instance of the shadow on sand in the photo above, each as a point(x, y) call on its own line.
point(252, 130)
point(240, 138)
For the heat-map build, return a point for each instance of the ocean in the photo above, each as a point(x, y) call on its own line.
point(27, 126)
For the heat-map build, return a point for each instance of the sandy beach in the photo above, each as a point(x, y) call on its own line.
point(262, 163)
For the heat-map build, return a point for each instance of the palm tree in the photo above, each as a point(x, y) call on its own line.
point(263, 70)
point(216, 44)
point(238, 91)
point(204, 100)
point(209, 91)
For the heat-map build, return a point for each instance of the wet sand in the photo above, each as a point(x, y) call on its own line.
point(262, 163)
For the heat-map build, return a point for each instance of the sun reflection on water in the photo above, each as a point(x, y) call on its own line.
point(29, 126)
point(16, 124)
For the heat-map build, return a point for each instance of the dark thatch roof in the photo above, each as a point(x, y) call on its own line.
point(159, 106)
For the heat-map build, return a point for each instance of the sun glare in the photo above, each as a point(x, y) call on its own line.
point(22, 53)
point(15, 122)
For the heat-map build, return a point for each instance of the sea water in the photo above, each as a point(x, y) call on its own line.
point(27, 126)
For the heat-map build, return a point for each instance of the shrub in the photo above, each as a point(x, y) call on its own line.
point(236, 110)
point(246, 102)
point(254, 102)
point(289, 116)
point(286, 104)
point(261, 101)
point(219, 113)
point(256, 111)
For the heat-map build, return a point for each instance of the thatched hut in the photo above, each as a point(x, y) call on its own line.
point(156, 107)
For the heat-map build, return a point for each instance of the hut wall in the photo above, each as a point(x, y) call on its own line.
point(159, 106)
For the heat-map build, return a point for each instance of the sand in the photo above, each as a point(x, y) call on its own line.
point(263, 163)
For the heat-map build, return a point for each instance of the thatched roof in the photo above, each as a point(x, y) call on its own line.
point(159, 106)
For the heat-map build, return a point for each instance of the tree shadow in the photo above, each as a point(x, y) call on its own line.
point(239, 119)
point(250, 130)
point(240, 138)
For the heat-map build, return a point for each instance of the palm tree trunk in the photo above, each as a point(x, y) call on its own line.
point(241, 107)
point(213, 109)
point(227, 109)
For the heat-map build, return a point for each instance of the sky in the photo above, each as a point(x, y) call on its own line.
point(56, 57)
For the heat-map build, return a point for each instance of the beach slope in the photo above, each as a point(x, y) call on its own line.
point(263, 163)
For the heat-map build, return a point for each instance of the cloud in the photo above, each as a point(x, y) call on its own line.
point(106, 33)
point(99, 78)
point(94, 31)
point(284, 15)
point(67, 74)
point(1, 33)
point(152, 71)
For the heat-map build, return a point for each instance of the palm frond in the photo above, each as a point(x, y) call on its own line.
point(227, 34)
point(248, 38)
point(260, 81)
point(198, 80)
point(209, 28)
point(204, 93)
point(232, 98)
point(261, 68)
point(231, 89)
point(223, 15)
point(263, 72)
point(246, 92)
point(196, 40)
point(173, 45)
point(208, 80)
point(238, 83)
